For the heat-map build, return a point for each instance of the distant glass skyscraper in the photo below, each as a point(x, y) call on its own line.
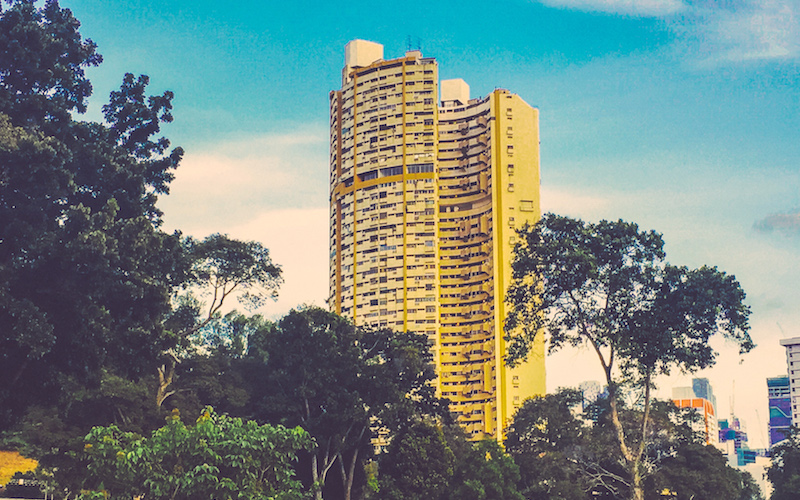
point(780, 408)
point(700, 396)
point(425, 197)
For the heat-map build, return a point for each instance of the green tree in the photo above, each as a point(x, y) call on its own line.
point(607, 285)
point(220, 269)
point(42, 61)
point(784, 472)
point(547, 442)
point(418, 465)
point(85, 273)
point(484, 472)
point(750, 488)
point(695, 472)
point(93, 294)
point(218, 458)
point(339, 382)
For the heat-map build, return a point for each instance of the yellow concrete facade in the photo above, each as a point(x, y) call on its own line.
point(425, 197)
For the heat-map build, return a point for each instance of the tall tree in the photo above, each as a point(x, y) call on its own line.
point(607, 285)
point(220, 269)
point(419, 465)
point(484, 472)
point(92, 291)
point(85, 273)
point(42, 61)
point(340, 382)
point(547, 441)
point(695, 472)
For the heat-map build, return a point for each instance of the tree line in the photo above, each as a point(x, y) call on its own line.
point(119, 372)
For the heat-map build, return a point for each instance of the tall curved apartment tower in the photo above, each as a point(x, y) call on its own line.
point(425, 196)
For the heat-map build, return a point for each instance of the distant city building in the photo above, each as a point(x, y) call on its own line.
point(733, 443)
point(792, 346)
point(427, 189)
point(780, 409)
point(592, 391)
point(700, 396)
point(702, 389)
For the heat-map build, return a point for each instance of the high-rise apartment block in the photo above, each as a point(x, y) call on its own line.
point(425, 196)
point(792, 346)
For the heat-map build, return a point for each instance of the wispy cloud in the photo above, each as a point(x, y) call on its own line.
point(714, 32)
point(786, 223)
point(298, 240)
point(271, 189)
point(637, 8)
point(233, 181)
point(572, 203)
point(740, 32)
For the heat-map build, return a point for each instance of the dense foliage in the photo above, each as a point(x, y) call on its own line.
point(564, 454)
point(433, 462)
point(85, 273)
point(343, 384)
point(218, 457)
point(607, 285)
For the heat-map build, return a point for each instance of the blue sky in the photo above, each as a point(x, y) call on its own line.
point(681, 115)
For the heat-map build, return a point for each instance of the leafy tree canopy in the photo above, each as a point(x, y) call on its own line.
point(419, 465)
point(85, 274)
point(547, 441)
point(565, 455)
point(607, 285)
point(341, 383)
point(218, 457)
point(485, 472)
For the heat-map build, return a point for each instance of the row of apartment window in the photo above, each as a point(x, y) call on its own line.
point(366, 87)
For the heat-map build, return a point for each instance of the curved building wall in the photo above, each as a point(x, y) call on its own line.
point(425, 200)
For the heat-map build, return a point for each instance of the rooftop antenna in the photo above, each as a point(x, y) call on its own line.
point(410, 45)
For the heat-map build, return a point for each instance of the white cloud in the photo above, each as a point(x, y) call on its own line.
point(271, 189)
point(637, 8)
point(752, 31)
point(572, 203)
point(233, 181)
point(297, 239)
point(711, 33)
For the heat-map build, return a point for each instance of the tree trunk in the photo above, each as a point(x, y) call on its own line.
point(631, 460)
point(166, 373)
point(315, 477)
point(637, 493)
point(348, 474)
